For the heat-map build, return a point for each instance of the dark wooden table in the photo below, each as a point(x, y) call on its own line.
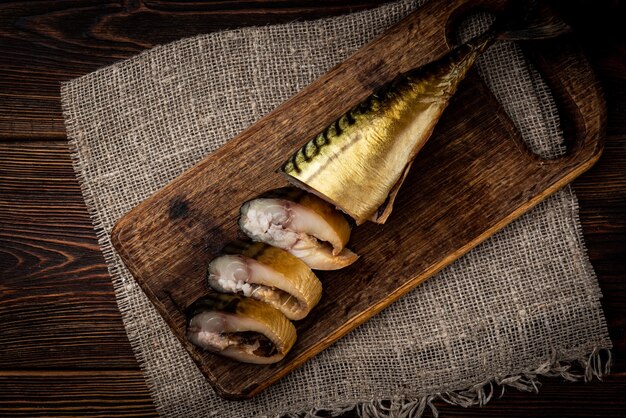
point(63, 348)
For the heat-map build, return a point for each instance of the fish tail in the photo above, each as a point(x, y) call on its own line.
point(482, 42)
point(521, 20)
point(528, 20)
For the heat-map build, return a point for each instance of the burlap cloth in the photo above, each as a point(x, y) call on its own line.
point(524, 303)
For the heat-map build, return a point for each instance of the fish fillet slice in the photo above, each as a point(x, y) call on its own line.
point(301, 223)
point(267, 274)
point(243, 329)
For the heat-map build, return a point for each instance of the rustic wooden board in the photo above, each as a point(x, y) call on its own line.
point(473, 177)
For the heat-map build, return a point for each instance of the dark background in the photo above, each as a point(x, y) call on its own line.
point(63, 348)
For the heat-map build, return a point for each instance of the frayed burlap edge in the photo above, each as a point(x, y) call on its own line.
point(584, 367)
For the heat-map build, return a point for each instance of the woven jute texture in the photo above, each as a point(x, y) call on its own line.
point(524, 303)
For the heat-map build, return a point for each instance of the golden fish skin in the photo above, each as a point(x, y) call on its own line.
point(359, 162)
point(267, 274)
point(241, 328)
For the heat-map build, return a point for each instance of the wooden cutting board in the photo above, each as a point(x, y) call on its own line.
point(472, 178)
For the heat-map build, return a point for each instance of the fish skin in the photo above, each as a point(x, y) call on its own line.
point(359, 162)
point(291, 276)
point(259, 318)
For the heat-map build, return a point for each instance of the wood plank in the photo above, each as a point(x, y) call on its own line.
point(57, 299)
point(47, 42)
point(470, 185)
point(113, 393)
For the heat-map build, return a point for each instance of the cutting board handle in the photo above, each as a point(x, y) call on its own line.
point(578, 96)
point(568, 74)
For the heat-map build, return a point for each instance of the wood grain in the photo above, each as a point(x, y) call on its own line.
point(55, 287)
point(465, 185)
point(78, 393)
point(48, 42)
point(33, 65)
